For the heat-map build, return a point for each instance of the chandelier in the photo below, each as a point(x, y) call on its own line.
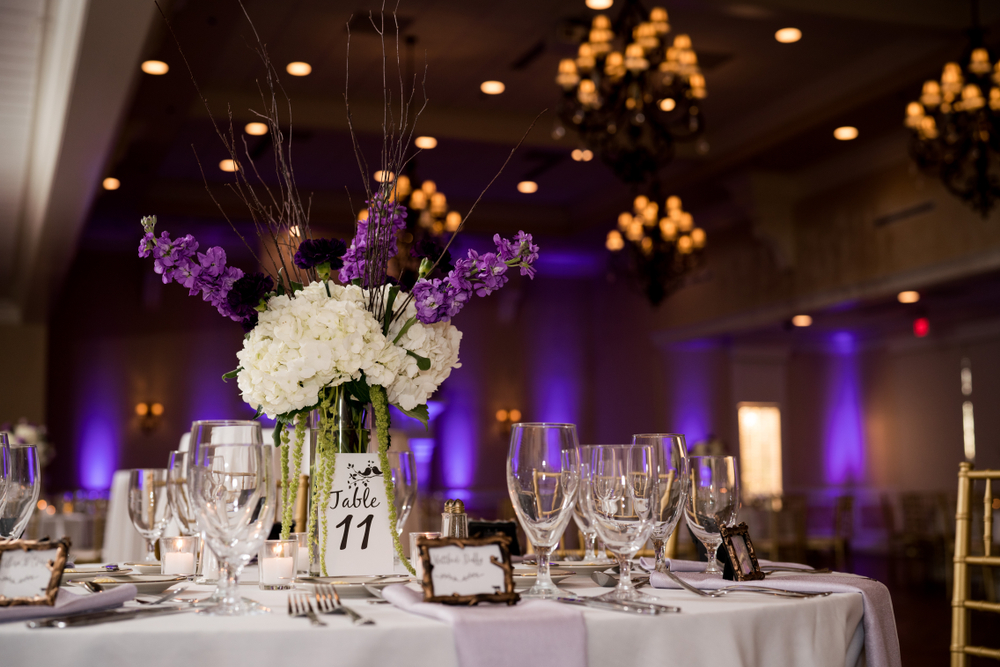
point(629, 95)
point(956, 125)
point(427, 207)
point(659, 252)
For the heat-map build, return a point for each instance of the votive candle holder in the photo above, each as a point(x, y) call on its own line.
point(179, 555)
point(276, 564)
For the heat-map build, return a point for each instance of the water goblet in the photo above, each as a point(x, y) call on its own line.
point(713, 501)
point(404, 483)
point(148, 505)
point(543, 473)
point(620, 488)
point(21, 487)
point(179, 493)
point(235, 496)
point(4, 468)
point(585, 525)
point(670, 457)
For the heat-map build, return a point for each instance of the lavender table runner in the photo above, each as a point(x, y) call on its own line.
point(533, 632)
point(71, 603)
point(881, 641)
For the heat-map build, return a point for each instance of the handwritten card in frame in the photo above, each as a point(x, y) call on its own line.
point(467, 570)
point(740, 560)
point(30, 571)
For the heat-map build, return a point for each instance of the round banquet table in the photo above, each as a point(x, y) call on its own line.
point(740, 630)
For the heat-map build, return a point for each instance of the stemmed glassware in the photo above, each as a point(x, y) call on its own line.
point(620, 488)
point(179, 493)
point(670, 457)
point(20, 489)
point(4, 468)
point(404, 481)
point(585, 525)
point(713, 501)
point(149, 506)
point(234, 492)
point(543, 473)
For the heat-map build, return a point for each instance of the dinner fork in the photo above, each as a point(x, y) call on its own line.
point(726, 590)
point(328, 602)
point(299, 605)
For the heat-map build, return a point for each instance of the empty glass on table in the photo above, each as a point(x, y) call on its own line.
point(620, 487)
point(21, 487)
point(543, 473)
point(179, 493)
point(4, 467)
point(235, 496)
point(713, 501)
point(585, 525)
point(670, 456)
point(404, 482)
point(148, 505)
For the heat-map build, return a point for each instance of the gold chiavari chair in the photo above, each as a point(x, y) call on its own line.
point(962, 605)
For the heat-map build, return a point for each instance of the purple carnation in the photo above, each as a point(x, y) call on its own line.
point(428, 248)
point(245, 295)
point(312, 253)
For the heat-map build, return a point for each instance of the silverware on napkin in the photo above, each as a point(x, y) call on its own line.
point(640, 608)
point(98, 617)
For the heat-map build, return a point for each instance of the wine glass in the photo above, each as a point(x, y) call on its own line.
point(713, 501)
point(543, 473)
point(4, 468)
point(148, 505)
point(21, 489)
point(179, 493)
point(585, 525)
point(235, 496)
point(404, 482)
point(670, 456)
point(620, 488)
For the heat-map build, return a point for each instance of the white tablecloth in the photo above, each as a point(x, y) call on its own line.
point(739, 631)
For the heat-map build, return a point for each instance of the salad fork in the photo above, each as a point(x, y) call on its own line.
point(299, 605)
point(726, 590)
point(328, 602)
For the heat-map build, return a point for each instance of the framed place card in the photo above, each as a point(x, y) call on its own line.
point(740, 560)
point(30, 571)
point(467, 570)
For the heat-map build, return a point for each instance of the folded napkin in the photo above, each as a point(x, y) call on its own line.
point(674, 565)
point(881, 641)
point(533, 632)
point(68, 602)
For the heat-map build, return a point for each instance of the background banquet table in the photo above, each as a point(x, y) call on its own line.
point(746, 629)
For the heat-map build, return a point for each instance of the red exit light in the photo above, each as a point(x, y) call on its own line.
point(921, 327)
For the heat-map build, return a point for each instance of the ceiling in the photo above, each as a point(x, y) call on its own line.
point(771, 107)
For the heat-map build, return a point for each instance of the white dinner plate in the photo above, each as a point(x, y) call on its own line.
point(146, 584)
point(353, 586)
point(525, 577)
point(583, 568)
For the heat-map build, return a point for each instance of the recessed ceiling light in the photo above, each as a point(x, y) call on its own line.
point(492, 87)
point(426, 143)
point(383, 176)
point(600, 4)
point(111, 183)
point(802, 320)
point(228, 165)
point(527, 187)
point(846, 133)
point(155, 67)
point(909, 296)
point(788, 35)
point(298, 68)
point(668, 103)
point(256, 129)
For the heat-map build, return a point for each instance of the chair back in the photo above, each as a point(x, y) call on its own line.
point(962, 603)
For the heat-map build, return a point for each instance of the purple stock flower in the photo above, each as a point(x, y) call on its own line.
point(312, 253)
point(384, 223)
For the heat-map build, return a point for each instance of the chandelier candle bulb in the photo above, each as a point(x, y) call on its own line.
point(788, 35)
point(845, 133)
point(425, 143)
point(492, 87)
point(527, 187)
point(299, 68)
point(229, 166)
point(255, 129)
point(155, 67)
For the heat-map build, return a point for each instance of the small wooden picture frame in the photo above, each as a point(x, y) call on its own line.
point(31, 571)
point(467, 571)
point(740, 560)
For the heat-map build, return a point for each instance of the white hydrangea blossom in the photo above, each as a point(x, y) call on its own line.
point(306, 342)
point(438, 342)
point(310, 340)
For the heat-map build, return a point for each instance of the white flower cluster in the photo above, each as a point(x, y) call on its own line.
point(310, 340)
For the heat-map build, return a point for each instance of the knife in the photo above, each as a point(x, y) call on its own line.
point(97, 617)
point(640, 608)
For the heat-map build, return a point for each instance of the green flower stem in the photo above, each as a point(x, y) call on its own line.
point(285, 483)
point(380, 404)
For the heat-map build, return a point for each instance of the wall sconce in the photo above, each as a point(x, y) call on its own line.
point(149, 416)
point(506, 418)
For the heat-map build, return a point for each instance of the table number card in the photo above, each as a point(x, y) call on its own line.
point(358, 540)
point(30, 571)
point(467, 570)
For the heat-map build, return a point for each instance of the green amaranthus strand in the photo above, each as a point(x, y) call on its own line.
point(301, 428)
point(380, 404)
point(326, 452)
point(285, 483)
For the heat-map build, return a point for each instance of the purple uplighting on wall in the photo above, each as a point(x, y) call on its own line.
point(98, 422)
point(844, 442)
point(457, 430)
point(692, 392)
point(557, 362)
